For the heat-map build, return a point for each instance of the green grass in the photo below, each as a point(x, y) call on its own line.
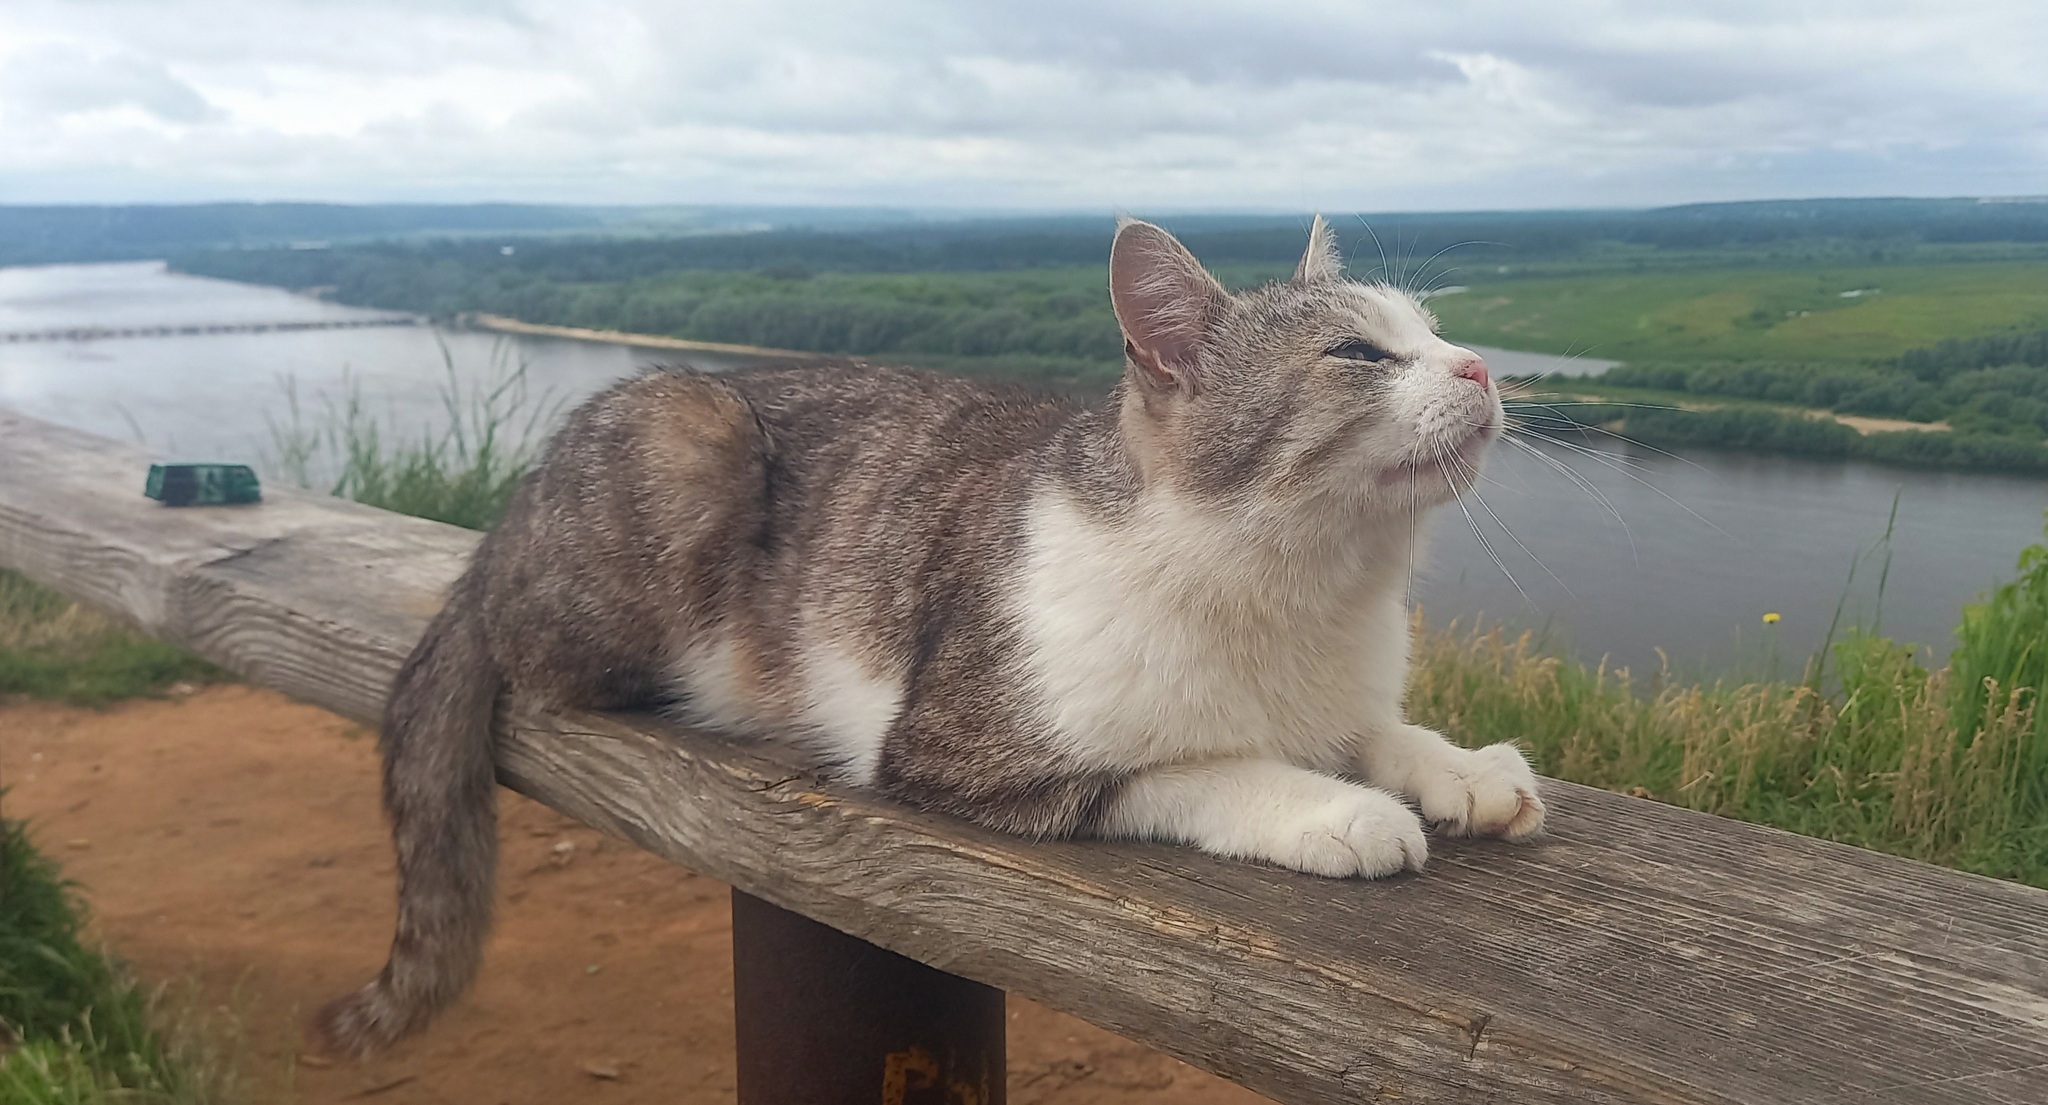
point(2001, 667)
point(1793, 313)
point(462, 474)
point(1881, 763)
point(1948, 766)
point(75, 1027)
point(54, 648)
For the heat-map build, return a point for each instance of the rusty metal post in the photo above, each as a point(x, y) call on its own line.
point(829, 1019)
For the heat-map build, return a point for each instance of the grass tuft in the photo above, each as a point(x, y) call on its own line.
point(1886, 761)
point(54, 648)
point(75, 1027)
point(462, 473)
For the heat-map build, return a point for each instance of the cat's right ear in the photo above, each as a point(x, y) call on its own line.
point(1321, 262)
point(1165, 301)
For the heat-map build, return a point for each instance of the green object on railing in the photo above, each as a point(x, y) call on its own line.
point(202, 484)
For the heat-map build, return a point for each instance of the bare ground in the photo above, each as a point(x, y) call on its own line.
point(232, 837)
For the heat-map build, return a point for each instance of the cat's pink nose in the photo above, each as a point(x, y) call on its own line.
point(1473, 368)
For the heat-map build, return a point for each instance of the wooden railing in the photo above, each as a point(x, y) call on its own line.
point(1636, 953)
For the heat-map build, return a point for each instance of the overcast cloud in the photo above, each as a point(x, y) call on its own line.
point(1042, 104)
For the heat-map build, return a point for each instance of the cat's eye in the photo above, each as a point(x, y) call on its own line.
point(1354, 349)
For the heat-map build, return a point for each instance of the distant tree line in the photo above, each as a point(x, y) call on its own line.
point(68, 233)
point(1996, 386)
point(1761, 430)
point(1025, 298)
point(618, 242)
point(1049, 324)
point(1396, 245)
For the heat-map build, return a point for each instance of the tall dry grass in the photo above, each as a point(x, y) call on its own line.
point(1887, 760)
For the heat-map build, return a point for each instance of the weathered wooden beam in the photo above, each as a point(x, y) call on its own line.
point(1638, 953)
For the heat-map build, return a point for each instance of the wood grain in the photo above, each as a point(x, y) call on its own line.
point(1637, 953)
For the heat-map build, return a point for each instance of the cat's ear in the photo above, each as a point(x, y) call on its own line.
point(1321, 261)
point(1165, 301)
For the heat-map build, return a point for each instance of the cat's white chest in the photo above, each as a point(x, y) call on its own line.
point(1156, 643)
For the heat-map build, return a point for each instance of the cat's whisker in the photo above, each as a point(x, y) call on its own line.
point(1576, 477)
point(1578, 480)
point(1414, 530)
point(1598, 403)
point(1624, 438)
point(1556, 367)
point(1517, 401)
point(1385, 270)
point(1478, 475)
point(1558, 428)
point(1627, 440)
point(1473, 524)
point(1599, 457)
point(1465, 465)
point(1557, 432)
point(1424, 267)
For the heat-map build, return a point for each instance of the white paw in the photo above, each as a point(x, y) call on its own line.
point(1360, 833)
point(1484, 792)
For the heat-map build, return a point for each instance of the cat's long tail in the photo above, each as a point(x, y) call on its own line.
point(441, 794)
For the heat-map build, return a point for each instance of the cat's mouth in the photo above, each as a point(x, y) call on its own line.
point(1455, 463)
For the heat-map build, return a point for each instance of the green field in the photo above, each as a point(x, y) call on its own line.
point(1796, 314)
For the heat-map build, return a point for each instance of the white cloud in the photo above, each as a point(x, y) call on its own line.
point(1051, 103)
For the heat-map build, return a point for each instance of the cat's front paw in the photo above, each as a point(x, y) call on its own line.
point(1362, 833)
point(1488, 791)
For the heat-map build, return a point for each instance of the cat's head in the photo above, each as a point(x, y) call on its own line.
point(1314, 391)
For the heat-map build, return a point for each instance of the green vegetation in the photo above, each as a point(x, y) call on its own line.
point(1990, 396)
point(2004, 644)
point(1649, 418)
point(1796, 313)
point(38, 235)
point(1414, 245)
point(75, 1029)
point(54, 648)
point(1857, 307)
point(1947, 766)
point(1994, 386)
point(1048, 325)
point(462, 474)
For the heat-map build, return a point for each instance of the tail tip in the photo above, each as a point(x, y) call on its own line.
point(359, 1025)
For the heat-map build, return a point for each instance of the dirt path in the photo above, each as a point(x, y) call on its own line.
point(233, 836)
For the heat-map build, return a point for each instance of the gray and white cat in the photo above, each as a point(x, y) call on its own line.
point(1175, 616)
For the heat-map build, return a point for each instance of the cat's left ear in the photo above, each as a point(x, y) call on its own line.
point(1321, 261)
point(1166, 303)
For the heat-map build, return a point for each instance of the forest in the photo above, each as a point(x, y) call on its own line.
point(1929, 311)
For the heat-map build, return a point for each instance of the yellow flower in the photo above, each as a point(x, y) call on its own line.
point(1771, 618)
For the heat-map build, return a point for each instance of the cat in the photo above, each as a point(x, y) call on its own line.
point(1178, 615)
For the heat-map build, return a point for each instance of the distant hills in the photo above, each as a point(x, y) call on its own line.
point(927, 239)
point(61, 233)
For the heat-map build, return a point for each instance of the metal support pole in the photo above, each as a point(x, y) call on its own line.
point(828, 1019)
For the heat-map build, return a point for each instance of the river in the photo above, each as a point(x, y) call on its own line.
point(1633, 555)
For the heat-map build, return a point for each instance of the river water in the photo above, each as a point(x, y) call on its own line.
point(1631, 555)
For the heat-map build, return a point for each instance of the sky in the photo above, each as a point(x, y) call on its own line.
point(1046, 104)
